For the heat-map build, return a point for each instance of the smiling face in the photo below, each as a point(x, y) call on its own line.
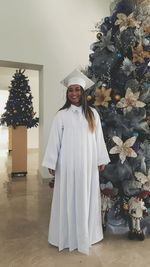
point(74, 94)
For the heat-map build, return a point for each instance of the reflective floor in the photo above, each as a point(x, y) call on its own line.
point(24, 218)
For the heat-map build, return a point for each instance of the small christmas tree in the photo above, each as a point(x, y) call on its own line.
point(121, 95)
point(19, 107)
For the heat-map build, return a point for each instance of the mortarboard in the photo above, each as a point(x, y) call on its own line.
point(77, 77)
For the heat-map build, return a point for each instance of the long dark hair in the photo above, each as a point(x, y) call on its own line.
point(89, 115)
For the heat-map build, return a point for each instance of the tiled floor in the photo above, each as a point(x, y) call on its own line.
point(24, 218)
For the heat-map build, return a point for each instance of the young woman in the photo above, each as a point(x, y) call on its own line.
point(75, 153)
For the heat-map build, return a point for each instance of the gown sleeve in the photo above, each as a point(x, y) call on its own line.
point(102, 153)
point(54, 143)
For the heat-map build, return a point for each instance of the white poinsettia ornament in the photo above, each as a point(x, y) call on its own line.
point(143, 179)
point(135, 184)
point(130, 101)
point(141, 36)
point(106, 42)
point(125, 22)
point(124, 149)
point(128, 66)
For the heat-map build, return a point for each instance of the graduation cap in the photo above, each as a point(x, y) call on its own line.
point(77, 77)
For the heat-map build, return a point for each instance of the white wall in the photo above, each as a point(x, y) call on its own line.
point(55, 34)
point(33, 133)
point(5, 81)
point(3, 98)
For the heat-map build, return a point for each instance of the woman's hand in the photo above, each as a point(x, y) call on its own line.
point(101, 167)
point(52, 172)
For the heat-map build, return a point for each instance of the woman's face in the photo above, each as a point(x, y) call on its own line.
point(74, 94)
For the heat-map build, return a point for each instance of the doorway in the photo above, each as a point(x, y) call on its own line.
point(7, 70)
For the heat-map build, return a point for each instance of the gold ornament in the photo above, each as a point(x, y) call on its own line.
point(125, 206)
point(15, 111)
point(139, 54)
point(102, 97)
point(89, 97)
point(99, 35)
point(117, 97)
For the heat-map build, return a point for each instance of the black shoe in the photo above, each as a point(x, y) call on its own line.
point(140, 236)
point(131, 235)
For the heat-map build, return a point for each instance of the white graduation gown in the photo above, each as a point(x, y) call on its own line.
point(75, 153)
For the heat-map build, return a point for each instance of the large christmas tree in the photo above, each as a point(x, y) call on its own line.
point(119, 67)
point(19, 106)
